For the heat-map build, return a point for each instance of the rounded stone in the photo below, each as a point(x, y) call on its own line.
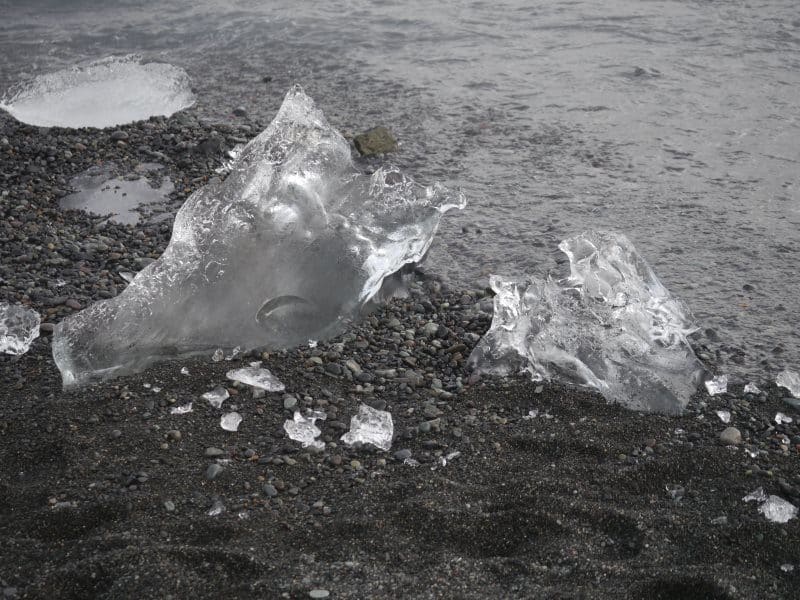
point(731, 436)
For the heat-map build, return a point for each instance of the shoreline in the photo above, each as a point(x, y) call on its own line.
point(105, 493)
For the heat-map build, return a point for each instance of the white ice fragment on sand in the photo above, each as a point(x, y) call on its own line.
point(234, 353)
point(757, 495)
point(312, 343)
point(216, 396)
point(184, 371)
point(774, 508)
point(19, 326)
point(717, 385)
point(370, 426)
point(218, 355)
point(611, 325)
point(291, 246)
point(216, 509)
point(257, 377)
point(181, 410)
point(303, 429)
point(724, 416)
point(411, 462)
point(778, 510)
point(230, 421)
point(751, 388)
point(787, 568)
point(781, 418)
point(789, 380)
point(532, 414)
point(102, 93)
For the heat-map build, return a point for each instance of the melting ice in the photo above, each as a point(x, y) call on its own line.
point(774, 508)
point(216, 396)
point(103, 93)
point(289, 247)
point(611, 326)
point(230, 421)
point(19, 326)
point(370, 426)
point(303, 429)
point(789, 380)
point(256, 376)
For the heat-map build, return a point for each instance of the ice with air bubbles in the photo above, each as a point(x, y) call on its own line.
point(293, 244)
point(102, 93)
point(19, 326)
point(610, 325)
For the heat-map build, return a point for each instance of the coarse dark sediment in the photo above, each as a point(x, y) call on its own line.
point(493, 487)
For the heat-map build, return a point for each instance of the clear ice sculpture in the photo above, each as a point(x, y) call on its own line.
point(304, 430)
point(102, 93)
point(19, 326)
point(289, 247)
point(611, 326)
point(370, 426)
point(789, 380)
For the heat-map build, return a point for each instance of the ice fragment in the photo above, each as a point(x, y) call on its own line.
point(293, 244)
point(751, 388)
point(611, 326)
point(230, 421)
point(257, 377)
point(778, 510)
point(181, 410)
point(303, 429)
point(102, 93)
point(787, 568)
point(216, 509)
point(757, 495)
point(370, 426)
point(789, 380)
point(216, 396)
point(724, 416)
point(184, 371)
point(717, 385)
point(781, 418)
point(19, 326)
point(218, 355)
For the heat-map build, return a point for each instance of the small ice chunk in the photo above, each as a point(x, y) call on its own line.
point(370, 426)
point(787, 568)
point(532, 414)
point(216, 509)
point(312, 343)
point(230, 421)
point(752, 388)
point(789, 380)
point(778, 510)
point(257, 377)
point(717, 385)
point(218, 355)
point(610, 325)
point(181, 410)
point(216, 396)
point(102, 93)
point(781, 418)
point(757, 495)
point(411, 462)
point(19, 326)
point(234, 353)
point(184, 371)
point(724, 416)
point(303, 429)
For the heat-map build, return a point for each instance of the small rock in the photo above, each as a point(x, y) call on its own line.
point(319, 593)
point(377, 140)
point(731, 436)
point(403, 454)
point(173, 435)
point(213, 452)
point(169, 505)
point(213, 471)
point(269, 490)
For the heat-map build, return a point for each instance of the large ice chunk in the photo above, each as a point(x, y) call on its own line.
point(288, 248)
point(19, 326)
point(611, 325)
point(102, 93)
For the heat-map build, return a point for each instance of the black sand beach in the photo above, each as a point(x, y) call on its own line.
point(548, 492)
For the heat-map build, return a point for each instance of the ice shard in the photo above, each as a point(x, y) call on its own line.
point(19, 326)
point(304, 430)
point(789, 380)
point(717, 385)
point(216, 396)
point(256, 376)
point(102, 93)
point(370, 426)
point(611, 325)
point(289, 247)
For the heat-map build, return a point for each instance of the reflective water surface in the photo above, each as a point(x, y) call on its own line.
point(673, 122)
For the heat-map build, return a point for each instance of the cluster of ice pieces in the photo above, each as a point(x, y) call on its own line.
point(368, 426)
point(19, 326)
point(102, 93)
point(611, 326)
point(293, 244)
point(774, 508)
